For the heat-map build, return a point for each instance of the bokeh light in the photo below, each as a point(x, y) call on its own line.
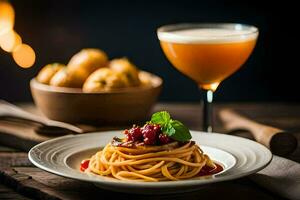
point(10, 40)
point(24, 56)
point(7, 17)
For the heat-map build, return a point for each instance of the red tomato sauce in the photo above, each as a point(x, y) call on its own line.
point(207, 171)
point(84, 165)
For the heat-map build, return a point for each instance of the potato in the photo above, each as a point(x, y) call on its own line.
point(104, 79)
point(48, 71)
point(66, 78)
point(124, 66)
point(87, 61)
point(145, 78)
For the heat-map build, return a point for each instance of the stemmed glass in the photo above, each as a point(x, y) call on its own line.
point(207, 53)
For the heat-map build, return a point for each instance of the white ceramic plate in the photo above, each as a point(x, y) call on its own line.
point(62, 156)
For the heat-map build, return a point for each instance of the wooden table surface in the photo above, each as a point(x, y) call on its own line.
point(19, 179)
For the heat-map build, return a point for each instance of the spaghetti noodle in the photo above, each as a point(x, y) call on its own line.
point(161, 150)
point(150, 163)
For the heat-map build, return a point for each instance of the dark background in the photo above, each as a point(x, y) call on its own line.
point(58, 29)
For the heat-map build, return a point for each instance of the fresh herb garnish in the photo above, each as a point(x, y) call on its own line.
point(173, 128)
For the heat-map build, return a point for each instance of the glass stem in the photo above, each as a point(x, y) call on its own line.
point(207, 110)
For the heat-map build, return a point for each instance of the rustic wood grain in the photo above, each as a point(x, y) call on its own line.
point(36, 183)
point(283, 116)
point(18, 173)
point(9, 194)
point(9, 159)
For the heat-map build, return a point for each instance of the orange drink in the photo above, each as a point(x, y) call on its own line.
point(207, 53)
point(210, 60)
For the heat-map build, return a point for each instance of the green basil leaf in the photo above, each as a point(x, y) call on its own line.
point(170, 130)
point(173, 128)
point(161, 118)
point(182, 133)
point(164, 128)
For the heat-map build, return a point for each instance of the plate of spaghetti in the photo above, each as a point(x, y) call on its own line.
point(161, 156)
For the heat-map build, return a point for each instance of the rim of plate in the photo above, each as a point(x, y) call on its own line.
point(74, 174)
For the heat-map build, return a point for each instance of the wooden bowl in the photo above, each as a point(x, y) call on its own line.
point(124, 106)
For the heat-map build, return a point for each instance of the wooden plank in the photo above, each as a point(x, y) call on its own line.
point(36, 183)
point(8, 159)
point(9, 194)
point(18, 173)
point(7, 149)
point(283, 116)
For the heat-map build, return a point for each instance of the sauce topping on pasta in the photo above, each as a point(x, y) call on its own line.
point(160, 150)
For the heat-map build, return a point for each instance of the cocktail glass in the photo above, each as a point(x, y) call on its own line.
point(207, 53)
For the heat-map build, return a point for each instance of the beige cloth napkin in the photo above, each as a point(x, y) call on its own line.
point(281, 176)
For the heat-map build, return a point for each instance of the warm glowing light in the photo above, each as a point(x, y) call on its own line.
point(7, 17)
point(10, 40)
point(24, 56)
